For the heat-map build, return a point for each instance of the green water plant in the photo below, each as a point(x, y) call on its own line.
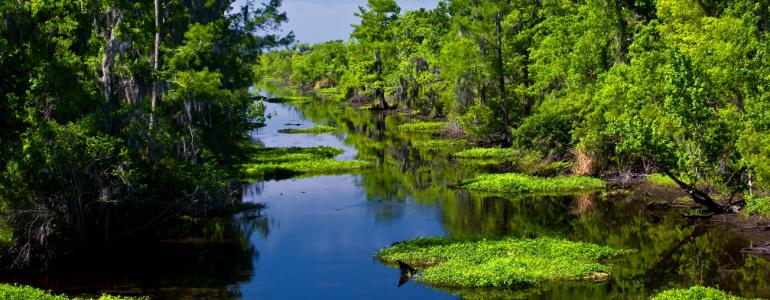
point(322, 129)
point(273, 163)
point(20, 292)
point(439, 145)
point(423, 127)
point(486, 153)
point(520, 183)
point(695, 293)
point(510, 262)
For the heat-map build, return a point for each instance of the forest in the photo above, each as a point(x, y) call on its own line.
point(576, 149)
point(118, 116)
point(619, 87)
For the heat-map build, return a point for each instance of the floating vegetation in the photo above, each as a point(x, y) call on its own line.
point(274, 163)
point(19, 292)
point(520, 183)
point(331, 90)
point(439, 145)
point(695, 293)
point(511, 262)
point(312, 130)
point(486, 153)
point(660, 179)
point(289, 99)
point(423, 127)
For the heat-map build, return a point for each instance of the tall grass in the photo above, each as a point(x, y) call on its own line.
point(520, 183)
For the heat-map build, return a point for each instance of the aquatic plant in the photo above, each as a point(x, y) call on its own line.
point(439, 145)
point(288, 99)
point(272, 163)
point(514, 182)
point(313, 130)
point(20, 292)
point(423, 127)
point(510, 262)
point(486, 153)
point(695, 293)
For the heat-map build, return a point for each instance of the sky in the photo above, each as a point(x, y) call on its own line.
point(316, 21)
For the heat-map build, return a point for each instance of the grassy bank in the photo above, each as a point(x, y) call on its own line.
point(18, 292)
point(313, 130)
point(695, 293)
point(757, 206)
point(500, 263)
point(520, 183)
point(275, 163)
point(487, 153)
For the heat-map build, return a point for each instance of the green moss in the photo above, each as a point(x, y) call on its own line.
point(6, 233)
point(19, 292)
point(695, 293)
point(758, 206)
point(486, 153)
point(273, 163)
point(508, 262)
point(514, 182)
point(660, 179)
point(423, 127)
point(313, 130)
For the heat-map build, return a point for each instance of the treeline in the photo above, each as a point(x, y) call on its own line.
point(117, 116)
point(622, 87)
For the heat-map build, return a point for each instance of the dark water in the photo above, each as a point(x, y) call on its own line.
point(317, 236)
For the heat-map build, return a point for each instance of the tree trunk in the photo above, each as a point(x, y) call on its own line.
point(501, 79)
point(379, 93)
point(698, 196)
point(155, 62)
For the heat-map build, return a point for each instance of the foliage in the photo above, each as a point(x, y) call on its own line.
point(670, 84)
point(660, 179)
point(312, 130)
point(109, 128)
point(520, 183)
point(507, 262)
point(757, 205)
point(17, 292)
point(695, 292)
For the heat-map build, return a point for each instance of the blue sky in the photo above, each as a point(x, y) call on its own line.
point(323, 20)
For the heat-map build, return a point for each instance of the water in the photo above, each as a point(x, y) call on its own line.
point(317, 236)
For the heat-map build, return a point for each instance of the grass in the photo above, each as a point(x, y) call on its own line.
point(757, 206)
point(313, 130)
point(423, 127)
point(19, 292)
point(277, 163)
point(486, 153)
point(660, 179)
point(695, 293)
point(508, 262)
point(520, 183)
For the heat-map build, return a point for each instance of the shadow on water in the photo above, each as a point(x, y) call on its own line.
point(317, 235)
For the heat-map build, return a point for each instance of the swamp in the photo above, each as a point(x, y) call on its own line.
point(456, 149)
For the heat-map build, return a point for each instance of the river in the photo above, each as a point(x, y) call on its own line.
point(317, 236)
